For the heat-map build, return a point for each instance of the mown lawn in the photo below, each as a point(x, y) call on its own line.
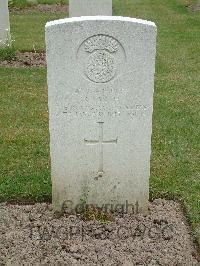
point(24, 157)
point(175, 166)
point(28, 30)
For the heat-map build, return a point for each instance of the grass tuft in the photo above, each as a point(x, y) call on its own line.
point(8, 54)
point(18, 3)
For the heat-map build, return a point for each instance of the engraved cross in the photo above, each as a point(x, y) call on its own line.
point(100, 142)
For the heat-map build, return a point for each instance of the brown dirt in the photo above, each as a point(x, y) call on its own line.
point(194, 8)
point(26, 59)
point(31, 235)
point(41, 8)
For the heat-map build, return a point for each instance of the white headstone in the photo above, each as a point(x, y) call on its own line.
point(100, 85)
point(4, 23)
point(79, 8)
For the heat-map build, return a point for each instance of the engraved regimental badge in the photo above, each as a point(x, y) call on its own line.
point(102, 54)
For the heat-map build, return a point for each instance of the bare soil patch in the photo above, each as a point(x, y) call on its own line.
point(26, 59)
point(194, 8)
point(43, 8)
point(31, 235)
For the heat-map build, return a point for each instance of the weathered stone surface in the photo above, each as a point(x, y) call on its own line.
point(79, 8)
point(4, 23)
point(100, 82)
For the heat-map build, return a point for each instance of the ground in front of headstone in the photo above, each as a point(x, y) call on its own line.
point(25, 59)
point(31, 235)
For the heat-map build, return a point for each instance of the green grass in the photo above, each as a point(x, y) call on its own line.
point(18, 3)
point(175, 167)
point(7, 53)
point(28, 30)
point(50, 2)
point(24, 157)
point(24, 3)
